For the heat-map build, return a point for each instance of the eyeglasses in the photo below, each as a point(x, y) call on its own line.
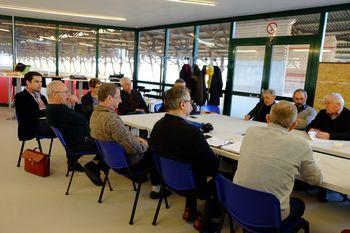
point(190, 101)
point(65, 92)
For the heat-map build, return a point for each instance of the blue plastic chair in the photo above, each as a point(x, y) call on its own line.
point(37, 138)
point(70, 154)
point(114, 156)
point(210, 108)
point(177, 176)
point(157, 107)
point(255, 211)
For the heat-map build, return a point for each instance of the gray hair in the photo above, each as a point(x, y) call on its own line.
point(174, 96)
point(283, 113)
point(124, 80)
point(270, 91)
point(52, 87)
point(335, 98)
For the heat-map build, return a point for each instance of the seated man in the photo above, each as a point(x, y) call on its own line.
point(73, 126)
point(90, 100)
point(259, 112)
point(333, 122)
point(31, 109)
point(106, 125)
point(191, 147)
point(132, 101)
point(178, 83)
point(280, 156)
point(305, 113)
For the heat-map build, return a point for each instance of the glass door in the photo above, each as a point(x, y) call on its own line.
point(279, 63)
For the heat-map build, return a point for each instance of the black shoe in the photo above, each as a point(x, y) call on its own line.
point(93, 172)
point(156, 195)
point(323, 195)
point(78, 167)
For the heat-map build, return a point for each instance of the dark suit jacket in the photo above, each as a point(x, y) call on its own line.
point(126, 107)
point(215, 89)
point(28, 114)
point(338, 128)
point(174, 138)
point(87, 105)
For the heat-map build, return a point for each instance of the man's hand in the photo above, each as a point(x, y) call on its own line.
point(246, 117)
point(143, 141)
point(140, 110)
point(322, 135)
point(72, 100)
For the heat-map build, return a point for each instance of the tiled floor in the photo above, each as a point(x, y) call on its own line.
point(33, 204)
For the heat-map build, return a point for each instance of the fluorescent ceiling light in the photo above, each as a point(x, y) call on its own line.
point(88, 45)
point(246, 51)
point(198, 2)
point(65, 13)
point(4, 30)
point(300, 50)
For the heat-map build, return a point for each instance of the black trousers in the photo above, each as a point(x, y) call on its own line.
point(297, 208)
point(145, 164)
point(44, 129)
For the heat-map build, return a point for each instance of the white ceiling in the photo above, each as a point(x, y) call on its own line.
point(142, 13)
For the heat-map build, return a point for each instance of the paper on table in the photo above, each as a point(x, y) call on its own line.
point(312, 135)
point(234, 147)
point(216, 142)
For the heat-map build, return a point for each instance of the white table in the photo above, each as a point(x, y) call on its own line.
point(335, 170)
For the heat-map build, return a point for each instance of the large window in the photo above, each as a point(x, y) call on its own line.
point(77, 47)
point(180, 51)
point(283, 26)
point(35, 44)
point(213, 41)
point(337, 41)
point(151, 50)
point(116, 52)
point(5, 44)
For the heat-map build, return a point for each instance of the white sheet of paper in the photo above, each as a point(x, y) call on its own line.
point(234, 147)
point(216, 142)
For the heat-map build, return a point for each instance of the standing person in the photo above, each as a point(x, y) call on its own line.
point(90, 99)
point(281, 155)
point(132, 101)
point(259, 112)
point(191, 147)
point(31, 109)
point(305, 113)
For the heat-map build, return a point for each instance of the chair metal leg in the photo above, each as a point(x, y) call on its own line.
point(20, 154)
point(67, 174)
point(39, 144)
point(134, 185)
point(71, 177)
point(154, 222)
point(103, 186)
point(306, 227)
point(50, 146)
point(166, 202)
point(232, 230)
point(135, 203)
point(109, 184)
point(205, 217)
point(222, 220)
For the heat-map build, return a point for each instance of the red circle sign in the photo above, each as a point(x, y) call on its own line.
point(271, 28)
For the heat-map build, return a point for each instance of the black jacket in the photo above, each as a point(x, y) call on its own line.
point(259, 112)
point(174, 138)
point(215, 89)
point(126, 106)
point(73, 125)
point(338, 128)
point(28, 113)
point(87, 105)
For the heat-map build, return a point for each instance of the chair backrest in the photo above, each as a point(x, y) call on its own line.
point(59, 136)
point(210, 108)
point(252, 209)
point(177, 175)
point(113, 154)
point(157, 107)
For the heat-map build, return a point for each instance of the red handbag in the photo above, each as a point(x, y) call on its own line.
point(36, 162)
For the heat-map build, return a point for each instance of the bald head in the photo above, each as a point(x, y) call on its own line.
point(57, 92)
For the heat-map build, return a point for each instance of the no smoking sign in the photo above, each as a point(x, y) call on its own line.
point(271, 28)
